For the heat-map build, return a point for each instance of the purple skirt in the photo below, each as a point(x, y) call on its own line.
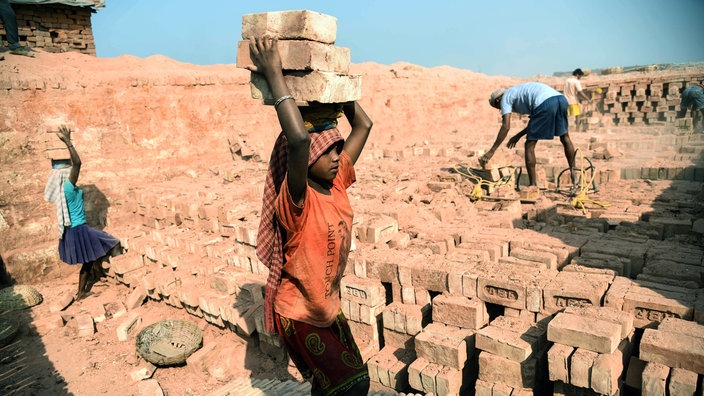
point(83, 244)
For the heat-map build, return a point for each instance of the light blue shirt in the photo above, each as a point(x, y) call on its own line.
point(525, 98)
point(74, 202)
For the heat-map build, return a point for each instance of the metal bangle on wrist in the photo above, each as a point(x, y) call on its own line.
point(281, 99)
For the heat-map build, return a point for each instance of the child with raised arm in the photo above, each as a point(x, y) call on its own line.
point(78, 242)
point(305, 230)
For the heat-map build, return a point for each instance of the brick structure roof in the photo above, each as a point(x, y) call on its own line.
point(75, 3)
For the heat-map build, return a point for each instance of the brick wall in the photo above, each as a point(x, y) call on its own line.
point(54, 27)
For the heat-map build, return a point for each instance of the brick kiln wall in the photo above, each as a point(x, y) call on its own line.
point(55, 27)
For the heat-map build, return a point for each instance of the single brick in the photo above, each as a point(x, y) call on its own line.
point(448, 381)
point(616, 294)
point(369, 292)
point(149, 387)
point(198, 362)
point(574, 289)
point(84, 325)
point(136, 298)
point(680, 326)
point(506, 343)
point(655, 379)
point(559, 362)
point(546, 258)
point(441, 345)
point(414, 370)
point(128, 326)
point(378, 229)
point(494, 368)
point(429, 273)
point(427, 377)
point(623, 319)
point(650, 307)
point(226, 281)
point(291, 25)
point(303, 55)
point(503, 290)
point(581, 367)
point(483, 388)
point(314, 86)
point(673, 349)
point(608, 369)
point(459, 311)
point(682, 382)
point(144, 371)
point(592, 334)
point(397, 340)
point(125, 263)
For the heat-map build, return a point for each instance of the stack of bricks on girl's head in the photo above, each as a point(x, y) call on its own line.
point(315, 70)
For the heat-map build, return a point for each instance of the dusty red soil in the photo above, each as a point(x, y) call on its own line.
point(48, 360)
point(155, 124)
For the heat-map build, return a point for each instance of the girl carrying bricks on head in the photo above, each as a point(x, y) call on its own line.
point(78, 242)
point(304, 234)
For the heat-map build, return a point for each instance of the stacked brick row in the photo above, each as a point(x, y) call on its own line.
point(315, 70)
point(690, 147)
point(223, 295)
point(196, 252)
point(683, 149)
point(673, 354)
point(513, 358)
point(638, 101)
point(446, 357)
point(591, 347)
point(363, 301)
point(55, 27)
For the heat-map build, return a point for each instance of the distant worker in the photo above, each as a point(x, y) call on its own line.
point(573, 92)
point(9, 22)
point(78, 242)
point(305, 231)
point(693, 99)
point(547, 109)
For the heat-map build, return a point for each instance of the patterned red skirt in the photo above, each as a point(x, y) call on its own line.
point(327, 354)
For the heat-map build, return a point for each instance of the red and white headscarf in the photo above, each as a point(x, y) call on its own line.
point(270, 236)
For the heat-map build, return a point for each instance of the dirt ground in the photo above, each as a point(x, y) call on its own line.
point(159, 125)
point(49, 359)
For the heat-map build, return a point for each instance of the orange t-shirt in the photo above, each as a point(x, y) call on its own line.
point(316, 249)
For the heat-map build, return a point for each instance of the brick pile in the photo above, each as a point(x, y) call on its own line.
point(315, 70)
point(674, 356)
point(446, 358)
point(363, 300)
point(513, 357)
point(55, 27)
point(635, 100)
point(437, 313)
point(591, 347)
